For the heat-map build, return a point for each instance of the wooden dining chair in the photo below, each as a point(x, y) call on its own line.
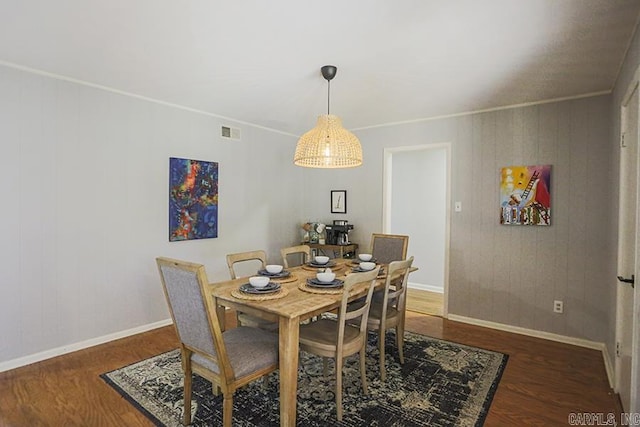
point(229, 359)
point(390, 311)
point(304, 250)
point(258, 260)
point(389, 247)
point(345, 336)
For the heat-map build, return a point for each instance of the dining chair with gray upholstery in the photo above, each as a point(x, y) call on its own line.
point(389, 247)
point(344, 336)
point(229, 359)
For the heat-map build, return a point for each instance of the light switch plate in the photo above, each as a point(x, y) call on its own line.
point(458, 207)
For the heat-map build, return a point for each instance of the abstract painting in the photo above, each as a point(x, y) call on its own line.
point(193, 199)
point(525, 195)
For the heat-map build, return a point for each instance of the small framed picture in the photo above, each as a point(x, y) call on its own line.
point(339, 201)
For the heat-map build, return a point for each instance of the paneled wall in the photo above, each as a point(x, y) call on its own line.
point(85, 207)
point(498, 273)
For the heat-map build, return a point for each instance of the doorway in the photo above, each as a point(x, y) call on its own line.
point(416, 199)
point(627, 301)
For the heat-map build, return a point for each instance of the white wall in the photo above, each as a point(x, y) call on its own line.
point(418, 209)
point(85, 209)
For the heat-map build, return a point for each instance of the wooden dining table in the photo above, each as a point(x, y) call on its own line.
point(295, 304)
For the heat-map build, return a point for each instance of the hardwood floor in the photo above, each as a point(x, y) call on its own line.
point(425, 302)
point(542, 384)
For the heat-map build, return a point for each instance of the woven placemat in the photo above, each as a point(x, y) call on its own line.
point(290, 278)
point(306, 288)
point(281, 293)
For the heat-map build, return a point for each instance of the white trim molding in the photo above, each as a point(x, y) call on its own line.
point(426, 287)
point(54, 352)
point(594, 345)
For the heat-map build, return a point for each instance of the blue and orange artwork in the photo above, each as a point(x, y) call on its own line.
point(193, 199)
point(525, 195)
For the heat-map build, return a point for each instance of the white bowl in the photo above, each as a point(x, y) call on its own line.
point(326, 277)
point(365, 257)
point(321, 259)
point(259, 281)
point(367, 266)
point(274, 268)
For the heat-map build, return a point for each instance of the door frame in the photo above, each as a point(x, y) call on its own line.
point(386, 203)
point(635, 334)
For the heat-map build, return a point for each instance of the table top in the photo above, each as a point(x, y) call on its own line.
point(297, 303)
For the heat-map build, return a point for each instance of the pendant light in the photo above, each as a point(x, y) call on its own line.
point(328, 145)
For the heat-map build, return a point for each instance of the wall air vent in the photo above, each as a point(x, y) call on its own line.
point(228, 132)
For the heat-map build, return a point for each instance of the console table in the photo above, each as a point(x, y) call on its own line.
point(340, 250)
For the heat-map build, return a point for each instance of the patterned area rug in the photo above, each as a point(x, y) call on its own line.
point(440, 384)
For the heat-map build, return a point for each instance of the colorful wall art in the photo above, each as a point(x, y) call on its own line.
point(525, 195)
point(193, 199)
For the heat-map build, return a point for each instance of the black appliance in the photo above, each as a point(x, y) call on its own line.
point(338, 232)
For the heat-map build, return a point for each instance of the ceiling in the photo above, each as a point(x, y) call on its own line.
point(259, 61)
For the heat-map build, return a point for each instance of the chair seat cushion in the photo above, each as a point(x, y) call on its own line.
point(249, 350)
point(375, 312)
point(323, 333)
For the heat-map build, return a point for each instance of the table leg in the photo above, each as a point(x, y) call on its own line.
point(221, 313)
point(289, 335)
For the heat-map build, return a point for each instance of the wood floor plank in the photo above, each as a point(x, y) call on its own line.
point(543, 382)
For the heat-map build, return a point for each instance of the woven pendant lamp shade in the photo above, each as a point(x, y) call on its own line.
point(328, 145)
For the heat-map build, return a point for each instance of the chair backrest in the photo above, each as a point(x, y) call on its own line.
point(294, 250)
point(242, 257)
point(348, 312)
point(398, 275)
point(386, 248)
point(194, 317)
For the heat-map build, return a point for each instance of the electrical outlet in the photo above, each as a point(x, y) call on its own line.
point(558, 306)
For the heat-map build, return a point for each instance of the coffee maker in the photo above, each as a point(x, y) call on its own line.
point(338, 233)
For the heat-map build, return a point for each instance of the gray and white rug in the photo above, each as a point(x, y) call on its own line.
point(440, 384)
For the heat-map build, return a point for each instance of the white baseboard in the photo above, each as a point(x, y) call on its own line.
point(595, 345)
point(608, 366)
point(425, 287)
point(48, 354)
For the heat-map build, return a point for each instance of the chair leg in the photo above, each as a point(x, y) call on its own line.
point(339, 387)
point(325, 366)
point(400, 341)
point(227, 409)
point(363, 370)
point(186, 420)
point(381, 339)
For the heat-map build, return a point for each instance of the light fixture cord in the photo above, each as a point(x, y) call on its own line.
point(328, 94)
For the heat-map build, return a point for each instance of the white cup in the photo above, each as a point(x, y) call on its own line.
point(365, 257)
point(367, 266)
point(274, 268)
point(326, 277)
point(320, 259)
point(259, 281)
